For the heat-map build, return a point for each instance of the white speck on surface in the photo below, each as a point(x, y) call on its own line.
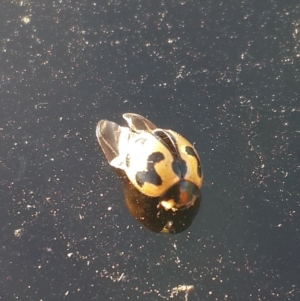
point(26, 19)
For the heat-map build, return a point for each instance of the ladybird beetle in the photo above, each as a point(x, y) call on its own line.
point(159, 164)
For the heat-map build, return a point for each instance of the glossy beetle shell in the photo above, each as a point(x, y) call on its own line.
point(154, 217)
point(155, 161)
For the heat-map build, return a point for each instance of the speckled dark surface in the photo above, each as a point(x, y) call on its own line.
point(225, 74)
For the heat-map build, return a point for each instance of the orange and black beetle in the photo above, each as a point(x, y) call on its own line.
point(160, 164)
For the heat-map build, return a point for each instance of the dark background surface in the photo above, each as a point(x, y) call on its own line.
point(225, 74)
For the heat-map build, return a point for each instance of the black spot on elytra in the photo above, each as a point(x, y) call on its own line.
point(150, 175)
point(190, 151)
point(179, 168)
point(178, 165)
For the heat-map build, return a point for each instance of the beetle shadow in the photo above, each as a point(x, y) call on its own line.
point(147, 211)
